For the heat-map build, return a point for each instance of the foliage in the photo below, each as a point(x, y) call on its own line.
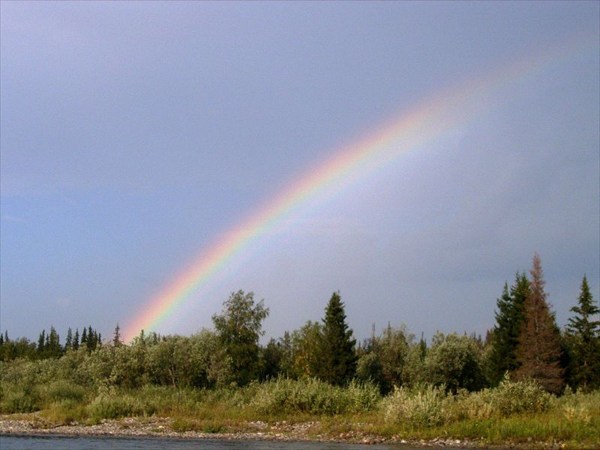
point(385, 359)
point(508, 399)
point(306, 350)
point(585, 341)
point(419, 406)
point(505, 335)
point(239, 327)
point(110, 405)
point(313, 396)
point(454, 361)
point(539, 350)
point(337, 356)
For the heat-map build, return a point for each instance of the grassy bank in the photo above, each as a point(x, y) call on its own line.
point(513, 413)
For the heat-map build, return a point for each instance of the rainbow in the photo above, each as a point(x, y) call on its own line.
point(423, 123)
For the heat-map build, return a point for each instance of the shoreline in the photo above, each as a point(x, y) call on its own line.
point(161, 428)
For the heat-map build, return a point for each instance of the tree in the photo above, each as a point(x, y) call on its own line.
point(539, 350)
point(75, 344)
point(384, 362)
point(585, 338)
point(505, 335)
point(305, 351)
point(338, 358)
point(117, 336)
point(454, 361)
point(41, 345)
point(239, 328)
point(53, 348)
point(69, 340)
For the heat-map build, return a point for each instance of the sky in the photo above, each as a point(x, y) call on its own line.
point(136, 136)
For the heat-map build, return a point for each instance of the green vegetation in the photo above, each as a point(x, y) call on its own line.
point(391, 385)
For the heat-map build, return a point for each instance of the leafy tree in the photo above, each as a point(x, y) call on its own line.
point(306, 345)
point(539, 350)
point(454, 361)
point(369, 368)
point(338, 357)
point(270, 360)
point(392, 348)
point(239, 328)
point(585, 341)
point(20, 348)
point(128, 364)
point(384, 362)
point(505, 335)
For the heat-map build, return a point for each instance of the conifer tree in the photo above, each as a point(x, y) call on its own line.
point(75, 344)
point(337, 347)
point(41, 345)
point(539, 350)
point(84, 337)
point(69, 340)
point(117, 337)
point(92, 339)
point(53, 348)
point(585, 333)
point(509, 320)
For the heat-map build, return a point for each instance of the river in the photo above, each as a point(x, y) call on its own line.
point(109, 443)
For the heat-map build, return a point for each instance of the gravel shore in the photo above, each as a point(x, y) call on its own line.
point(162, 427)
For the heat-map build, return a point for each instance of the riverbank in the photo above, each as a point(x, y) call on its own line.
point(313, 431)
point(132, 427)
point(513, 415)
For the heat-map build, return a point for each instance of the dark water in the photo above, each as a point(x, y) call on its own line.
point(95, 443)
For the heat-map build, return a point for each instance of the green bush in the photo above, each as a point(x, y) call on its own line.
point(508, 399)
point(110, 404)
point(19, 400)
point(64, 390)
point(519, 397)
point(421, 406)
point(312, 396)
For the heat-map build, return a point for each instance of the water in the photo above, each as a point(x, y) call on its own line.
point(108, 443)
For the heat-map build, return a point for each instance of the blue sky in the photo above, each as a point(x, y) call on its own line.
point(134, 134)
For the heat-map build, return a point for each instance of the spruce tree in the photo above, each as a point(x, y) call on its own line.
point(539, 350)
point(117, 336)
point(75, 344)
point(41, 345)
point(53, 347)
point(69, 340)
point(337, 347)
point(505, 336)
point(585, 333)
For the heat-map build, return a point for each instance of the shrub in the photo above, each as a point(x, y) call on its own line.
point(108, 404)
point(519, 397)
point(19, 400)
point(424, 405)
point(312, 396)
point(507, 399)
point(64, 390)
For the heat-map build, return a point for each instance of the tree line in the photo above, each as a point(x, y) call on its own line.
point(525, 343)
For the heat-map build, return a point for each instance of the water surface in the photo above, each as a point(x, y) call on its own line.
point(135, 443)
